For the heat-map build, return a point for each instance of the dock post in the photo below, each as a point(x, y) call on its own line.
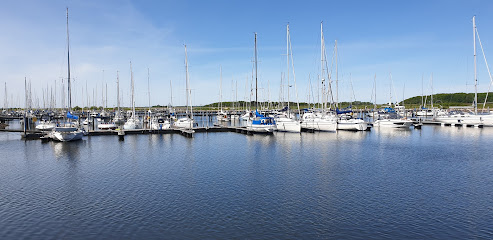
point(121, 135)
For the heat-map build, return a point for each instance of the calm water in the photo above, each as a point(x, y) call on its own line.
point(418, 184)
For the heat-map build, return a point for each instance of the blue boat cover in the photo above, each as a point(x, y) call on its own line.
point(258, 114)
point(69, 115)
point(346, 110)
point(389, 110)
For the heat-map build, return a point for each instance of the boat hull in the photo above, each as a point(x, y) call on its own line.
point(288, 125)
point(393, 123)
point(352, 125)
point(66, 134)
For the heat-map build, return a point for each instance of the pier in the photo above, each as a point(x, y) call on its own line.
point(34, 135)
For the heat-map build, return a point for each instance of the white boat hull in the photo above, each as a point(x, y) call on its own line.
point(66, 134)
point(184, 123)
point(107, 126)
point(352, 125)
point(132, 124)
point(393, 123)
point(325, 126)
point(160, 126)
point(288, 125)
point(461, 119)
point(260, 128)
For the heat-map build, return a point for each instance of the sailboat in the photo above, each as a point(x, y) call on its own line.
point(158, 121)
point(320, 120)
point(285, 120)
point(469, 118)
point(68, 130)
point(391, 118)
point(133, 122)
point(186, 122)
point(118, 119)
point(110, 125)
point(221, 115)
point(346, 120)
point(259, 123)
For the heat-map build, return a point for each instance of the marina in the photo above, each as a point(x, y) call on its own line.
point(246, 120)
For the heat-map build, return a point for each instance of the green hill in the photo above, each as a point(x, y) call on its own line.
point(450, 99)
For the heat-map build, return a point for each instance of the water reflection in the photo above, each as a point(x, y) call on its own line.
point(351, 135)
point(390, 133)
point(67, 150)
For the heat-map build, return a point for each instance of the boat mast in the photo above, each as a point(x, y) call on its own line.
point(117, 93)
point(431, 91)
point(475, 73)
point(221, 89)
point(422, 93)
point(375, 89)
point(287, 62)
point(68, 69)
point(322, 62)
point(337, 77)
point(186, 78)
point(391, 83)
point(132, 86)
point(171, 93)
point(149, 91)
point(5, 104)
point(256, 84)
point(188, 90)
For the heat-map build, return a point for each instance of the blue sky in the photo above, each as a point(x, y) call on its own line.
point(409, 39)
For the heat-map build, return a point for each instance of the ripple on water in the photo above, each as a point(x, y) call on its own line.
point(433, 183)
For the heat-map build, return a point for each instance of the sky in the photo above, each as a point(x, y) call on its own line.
point(402, 43)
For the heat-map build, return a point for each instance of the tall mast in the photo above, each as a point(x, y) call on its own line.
point(287, 62)
point(431, 90)
point(322, 61)
point(25, 93)
point(68, 68)
point(102, 92)
point(337, 78)
point(391, 83)
point(375, 89)
point(221, 88)
point(117, 93)
point(186, 77)
point(149, 90)
point(422, 93)
point(6, 98)
point(475, 73)
point(171, 92)
point(256, 84)
point(132, 86)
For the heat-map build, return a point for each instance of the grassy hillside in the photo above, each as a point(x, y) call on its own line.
point(451, 99)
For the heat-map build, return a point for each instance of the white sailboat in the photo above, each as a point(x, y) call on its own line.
point(469, 118)
point(133, 122)
point(118, 119)
point(321, 120)
point(345, 121)
point(221, 115)
point(186, 122)
point(391, 119)
point(68, 130)
point(286, 121)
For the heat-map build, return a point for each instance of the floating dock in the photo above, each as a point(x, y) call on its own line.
point(33, 135)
